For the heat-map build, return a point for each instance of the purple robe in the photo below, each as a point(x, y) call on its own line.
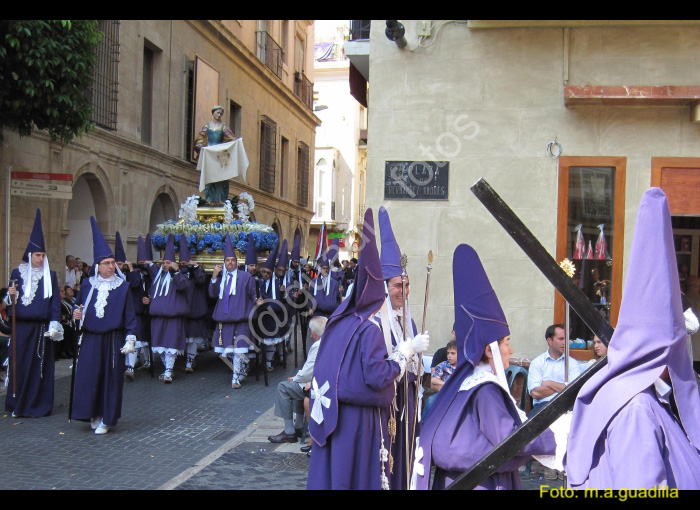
point(138, 290)
point(232, 331)
point(623, 435)
point(168, 312)
point(99, 373)
point(481, 418)
point(349, 459)
point(322, 304)
point(275, 315)
point(397, 479)
point(35, 353)
point(196, 325)
point(667, 458)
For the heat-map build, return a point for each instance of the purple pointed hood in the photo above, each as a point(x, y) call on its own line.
point(364, 301)
point(229, 250)
point(184, 249)
point(100, 248)
point(119, 253)
point(36, 239)
point(479, 320)
point(251, 256)
point(142, 252)
point(149, 247)
point(323, 259)
point(650, 336)
point(272, 259)
point(333, 251)
point(391, 254)
point(296, 249)
point(169, 253)
point(283, 260)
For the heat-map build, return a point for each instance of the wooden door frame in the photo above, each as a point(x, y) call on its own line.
point(620, 165)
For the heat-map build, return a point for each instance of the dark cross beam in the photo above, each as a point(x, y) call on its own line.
point(578, 301)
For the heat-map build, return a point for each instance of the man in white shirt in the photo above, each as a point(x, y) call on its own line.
point(290, 393)
point(546, 376)
point(72, 277)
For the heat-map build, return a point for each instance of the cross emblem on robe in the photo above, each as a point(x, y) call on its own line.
point(320, 400)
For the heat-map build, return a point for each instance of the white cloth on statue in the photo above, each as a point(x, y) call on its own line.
point(222, 162)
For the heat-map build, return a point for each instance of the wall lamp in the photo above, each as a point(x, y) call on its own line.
point(396, 32)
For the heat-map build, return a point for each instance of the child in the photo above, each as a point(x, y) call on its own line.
point(444, 370)
point(441, 374)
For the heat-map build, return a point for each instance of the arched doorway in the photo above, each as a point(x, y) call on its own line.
point(87, 191)
point(163, 209)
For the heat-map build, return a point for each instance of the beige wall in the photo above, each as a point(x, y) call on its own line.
point(129, 174)
point(489, 101)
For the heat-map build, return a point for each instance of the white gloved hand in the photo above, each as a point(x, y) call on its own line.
point(421, 342)
point(406, 349)
point(53, 334)
point(129, 347)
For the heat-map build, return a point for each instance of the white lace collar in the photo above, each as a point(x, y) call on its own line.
point(103, 287)
point(30, 276)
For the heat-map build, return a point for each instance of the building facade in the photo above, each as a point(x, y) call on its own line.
point(155, 86)
point(569, 121)
point(341, 146)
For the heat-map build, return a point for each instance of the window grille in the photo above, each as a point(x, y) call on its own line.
point(106, 78)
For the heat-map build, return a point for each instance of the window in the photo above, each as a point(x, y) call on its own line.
point(105, 85)
point(268, 154)
point(236, 116)
point(284, 167)
point(147, 95)
point(303, 175)
point(590, 233)
point(189, 111)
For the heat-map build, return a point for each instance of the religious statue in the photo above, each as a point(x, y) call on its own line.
point(214, 132)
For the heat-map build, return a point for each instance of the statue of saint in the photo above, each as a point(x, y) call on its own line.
point(213, 133)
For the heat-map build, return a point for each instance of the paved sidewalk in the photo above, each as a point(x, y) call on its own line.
point(196, 433)
point(164, 430)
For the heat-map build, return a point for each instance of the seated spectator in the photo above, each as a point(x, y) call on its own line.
point(440, 355)
point(440, 374)
point(444, 370)
point(291, 393)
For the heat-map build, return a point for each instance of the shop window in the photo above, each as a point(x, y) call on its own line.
point(590, 233)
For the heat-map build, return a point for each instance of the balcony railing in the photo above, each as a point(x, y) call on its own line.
point(269, 52)
point(304, 89)
point(359, 29)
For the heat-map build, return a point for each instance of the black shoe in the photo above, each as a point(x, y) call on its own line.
point(283, 438)
point(306, 448)
point(298, 433)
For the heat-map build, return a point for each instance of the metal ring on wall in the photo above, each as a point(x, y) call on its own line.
point(551, 151)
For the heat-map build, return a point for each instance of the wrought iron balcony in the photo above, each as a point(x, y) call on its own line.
point(269, 52)
point(304, 89)
point(359, 29)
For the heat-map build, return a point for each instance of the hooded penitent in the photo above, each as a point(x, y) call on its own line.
point(184, 250)
point(650, 336)
point(119, 253)
point(365, 299)
point(142, 253)
point(100, 248)
point(36, 245)
point(251, 256)
point(391, 267)
point(391, 254)
point(169, 253)
point(283, 260)
point(296, 249)
point(479, 321)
